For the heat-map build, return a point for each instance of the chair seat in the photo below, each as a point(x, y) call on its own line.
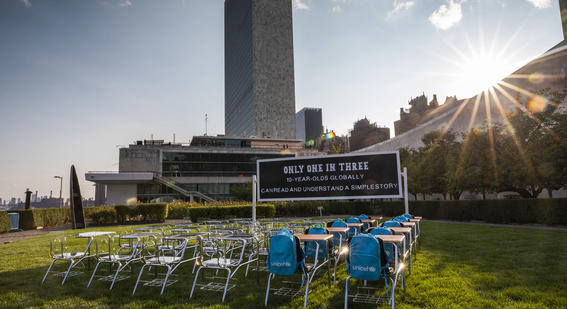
point(70, 255)
point(115, 257)
point(220, 263)
point(164, 260)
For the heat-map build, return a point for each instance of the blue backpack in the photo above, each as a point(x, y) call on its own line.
point(389, 248)
point(364, 217)
point(339, 223)
point(400, 219)
point(310, 247)
point(353, 230)
point(391, 224)
point(285, 255)
point(366, 258)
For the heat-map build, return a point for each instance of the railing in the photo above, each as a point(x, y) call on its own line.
point(171, 184)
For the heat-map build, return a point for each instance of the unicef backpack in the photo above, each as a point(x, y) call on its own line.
point(339, 223)
point(318, 228)
point(400, 219)
point(285, 255)
point(365, 257)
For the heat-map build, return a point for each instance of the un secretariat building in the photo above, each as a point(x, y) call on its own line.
point(259, 75)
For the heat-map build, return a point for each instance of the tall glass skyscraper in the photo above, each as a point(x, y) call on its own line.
point(259, 75)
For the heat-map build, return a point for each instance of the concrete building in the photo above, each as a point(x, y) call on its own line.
point(309, 124)
point(259, 71)
point(365, 134)
point(205, 170)
point(419, 112)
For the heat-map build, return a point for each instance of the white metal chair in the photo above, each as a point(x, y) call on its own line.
point(220, 251)
point(169, 254)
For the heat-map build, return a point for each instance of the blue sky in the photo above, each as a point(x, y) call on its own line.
point(78, 78)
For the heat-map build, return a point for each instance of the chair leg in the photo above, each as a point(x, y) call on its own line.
point(48, 269)
point(92, 276)
point(195, 282)
point(226, 284)
point(165, 281)
point(306, 292)
point(115, 275)
point(139, 276)
point(346, 292)
point(268, 289)
point(67, 273)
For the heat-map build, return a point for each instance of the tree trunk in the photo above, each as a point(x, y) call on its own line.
point(549, 192)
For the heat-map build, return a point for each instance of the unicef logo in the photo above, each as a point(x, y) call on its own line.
point(372, 269)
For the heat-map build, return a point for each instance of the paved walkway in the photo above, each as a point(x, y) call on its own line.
point(15, 236)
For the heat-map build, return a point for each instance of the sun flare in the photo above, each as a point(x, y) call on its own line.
point(481, 72)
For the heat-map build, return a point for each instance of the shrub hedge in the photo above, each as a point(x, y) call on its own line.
point(310, 208)
point(141, 212)
point(152, 212)
point(520, 211)
point(102, 215)
point(5, 225)
point(224, 212)
point(33, 218)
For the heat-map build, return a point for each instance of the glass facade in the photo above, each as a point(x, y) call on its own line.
point(187, 164)
point(238, 68)
point(150, 192)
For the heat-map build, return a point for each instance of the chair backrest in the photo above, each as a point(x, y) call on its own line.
point(285, 255)
point(310, 248)
point(392, 224)
point(408, 216)
point(364, 258)
point(363, 217)
point(381, 231)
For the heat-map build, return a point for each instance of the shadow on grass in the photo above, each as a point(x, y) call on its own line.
point(485, 266)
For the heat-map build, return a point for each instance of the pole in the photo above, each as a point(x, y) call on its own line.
point(254, 200)
point(60, 190)
point(60, 193)
point(406, 202)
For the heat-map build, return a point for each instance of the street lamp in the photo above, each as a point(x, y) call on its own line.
point(60, 190)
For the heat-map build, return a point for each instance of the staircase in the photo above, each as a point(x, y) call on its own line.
point(191, 194)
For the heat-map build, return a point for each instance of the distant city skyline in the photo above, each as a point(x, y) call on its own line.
point(81, 78)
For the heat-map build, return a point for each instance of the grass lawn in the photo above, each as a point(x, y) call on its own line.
point(458, 265)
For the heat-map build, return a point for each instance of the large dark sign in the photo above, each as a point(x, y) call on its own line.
point(77, 214)
point(333, 177)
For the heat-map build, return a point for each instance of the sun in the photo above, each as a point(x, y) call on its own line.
point(479, 72)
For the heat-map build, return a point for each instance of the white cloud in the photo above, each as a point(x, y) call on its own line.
point(541, 4)
point(445, 16)
point(300, 5)
point(400, 6)
point(125, 3)
point(336, 9)
point(27, 3)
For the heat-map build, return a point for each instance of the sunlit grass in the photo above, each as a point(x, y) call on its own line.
point(458, 265)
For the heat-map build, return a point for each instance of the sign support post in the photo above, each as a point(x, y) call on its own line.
point(406, 202)
point(254, 201)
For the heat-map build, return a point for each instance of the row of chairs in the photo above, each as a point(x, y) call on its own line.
point(215, 245)
point(368, 258)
